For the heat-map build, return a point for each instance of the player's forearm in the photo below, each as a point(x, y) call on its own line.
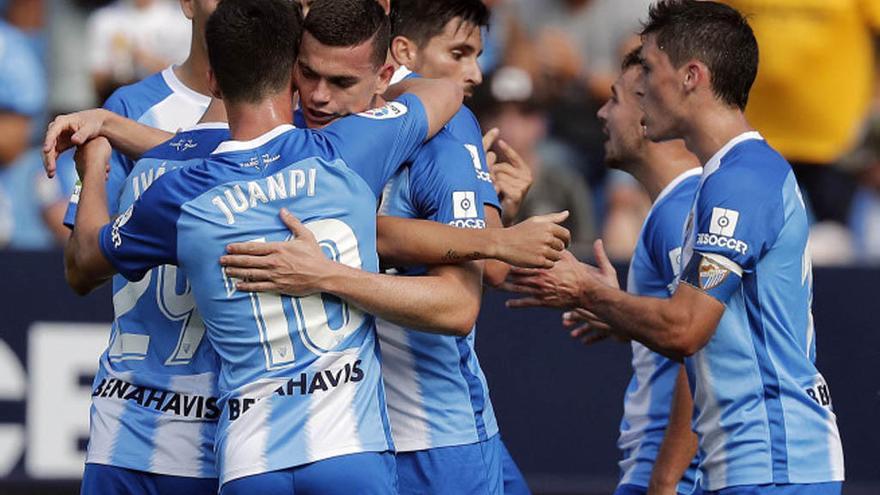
point(85, 266)
point(131, 138)
point(428, 303)
point(656, 323)
point(679, 443)
point(494, 271)
point(410, 242)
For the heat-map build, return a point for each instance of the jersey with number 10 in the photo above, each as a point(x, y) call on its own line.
point(299, 377)
point(154, 402)
point(761, 408)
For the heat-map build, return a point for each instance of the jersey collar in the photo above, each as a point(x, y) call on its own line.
point(228, 146)
point(178, 87)
point(676, 181)
point(712, 165)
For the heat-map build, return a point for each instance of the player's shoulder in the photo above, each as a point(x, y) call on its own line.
point(443, 154)
point(464, 124)
point(750, 173)
point(134, 100)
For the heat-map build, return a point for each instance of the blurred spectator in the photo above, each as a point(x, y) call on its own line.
point(813, 89)
point(627, 205)
point(508, 102)
point(865, 217)
point(131, 39)
point(71, 86)
point(572, 49)
point(28, 200)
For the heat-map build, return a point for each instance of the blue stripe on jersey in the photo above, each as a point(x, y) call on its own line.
point(465, 127)
point(770, 379)
point(475, 386)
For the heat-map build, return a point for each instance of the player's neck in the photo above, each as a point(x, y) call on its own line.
point(662, 164)
point(193, 72)
point(251, 120)
point(713, 128)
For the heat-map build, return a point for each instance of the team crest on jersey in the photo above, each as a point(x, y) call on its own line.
point(183, 144)
point(712, 274)
point(391, 110)
point(117, 224)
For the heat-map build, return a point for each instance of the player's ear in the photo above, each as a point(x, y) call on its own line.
point(187, 7)
point(694, 73)
point(404, 51)
point(385, 74)
point(213, 86)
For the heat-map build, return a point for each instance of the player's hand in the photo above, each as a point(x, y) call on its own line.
point(535, 243)
point(558, 287)
point(94, 153)
point(70, 130)
point(604, 270)
point(585, 326)
point(295, 267)
point(512, 177)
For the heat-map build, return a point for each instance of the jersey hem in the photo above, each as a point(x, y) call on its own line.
point(252, 470)
point(159, 470)
point(827, 477)
point(408, 447)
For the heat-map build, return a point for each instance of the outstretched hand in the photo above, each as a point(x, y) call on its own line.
point(564, 286)
point(535, 243)
point(295, 267)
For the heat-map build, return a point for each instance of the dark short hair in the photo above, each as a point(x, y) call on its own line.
point(631, 59)
point(252, 47)
point(344, 23)
point(713, 33)
point(421, 20)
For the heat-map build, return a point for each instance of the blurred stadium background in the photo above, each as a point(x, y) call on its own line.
point(548, 67)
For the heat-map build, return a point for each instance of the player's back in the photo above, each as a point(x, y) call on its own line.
point(653, 269)
point(762, 409)
point(155, 394)
point(437, 392)
point(300, 379)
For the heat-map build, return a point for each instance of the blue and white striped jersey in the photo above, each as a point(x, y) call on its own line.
point(761, 408)
point(159, 101)
point(299, 377)
point(652, 272)
point(437, 393)
point(154, 400)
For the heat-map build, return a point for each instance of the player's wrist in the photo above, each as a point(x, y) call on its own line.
point(496, 240)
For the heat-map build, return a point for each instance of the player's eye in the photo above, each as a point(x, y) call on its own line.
point(457, 54)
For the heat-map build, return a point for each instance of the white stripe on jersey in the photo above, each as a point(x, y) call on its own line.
point(332, 417)
point(398, 361)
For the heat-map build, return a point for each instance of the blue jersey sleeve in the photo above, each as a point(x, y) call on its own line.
point(145, 235)
point(442, 187)
point(664, 248)
point(375, 143)
point(737, 219)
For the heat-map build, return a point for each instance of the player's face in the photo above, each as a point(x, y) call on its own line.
point(336, 81)
point(621, 120)
point(452, 54)
point(660, 91)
